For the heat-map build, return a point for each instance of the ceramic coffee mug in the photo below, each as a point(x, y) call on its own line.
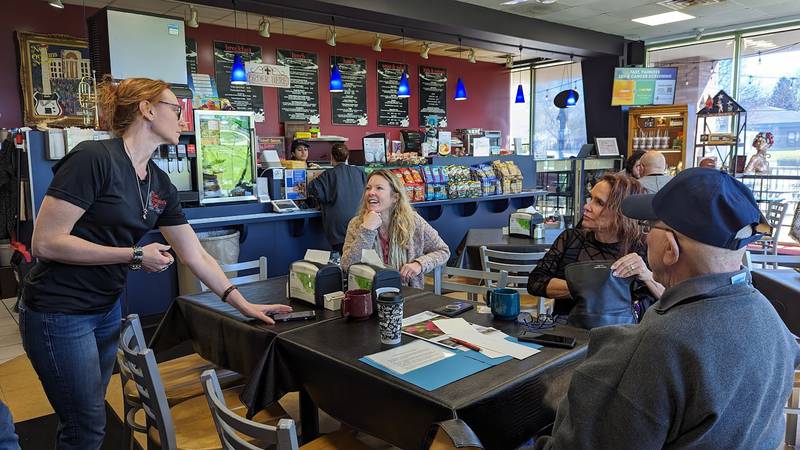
point(504, 303)
point(357, 304)
point(390, 317)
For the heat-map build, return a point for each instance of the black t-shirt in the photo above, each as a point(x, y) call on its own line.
point(98, 177)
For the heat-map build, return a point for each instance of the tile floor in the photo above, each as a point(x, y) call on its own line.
point(10, 341)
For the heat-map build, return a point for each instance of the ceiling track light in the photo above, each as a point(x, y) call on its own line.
point(461, 90)
point(192, 22)
point(332, 38)
point(238, 71)
point(509, 61)
point(263, 28)
point(376, 45)
point(55, 4)
point(472, 56)
point(426, 49)
point(699, 33)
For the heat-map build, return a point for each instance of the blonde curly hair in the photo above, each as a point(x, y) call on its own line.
point(401, 225)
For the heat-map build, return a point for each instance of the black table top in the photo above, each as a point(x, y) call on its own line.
point(782, 289)
point(468, 253)
point(504, 405)
point(221, 334)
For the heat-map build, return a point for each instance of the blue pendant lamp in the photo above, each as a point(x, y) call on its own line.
point(403, 89)
point(336, 79)
point(461, 91)
point(336, 84)
point(238, 73)
point(572, 98)
point(520, 93)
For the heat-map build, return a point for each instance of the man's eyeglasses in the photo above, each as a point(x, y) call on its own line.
point(646, 225)
point(177, 108)
point(540, 322)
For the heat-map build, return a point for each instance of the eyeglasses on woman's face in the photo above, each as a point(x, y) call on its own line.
point(178, 109)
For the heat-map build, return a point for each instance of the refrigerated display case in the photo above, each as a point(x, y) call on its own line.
point(225, 142)
point(568, 182)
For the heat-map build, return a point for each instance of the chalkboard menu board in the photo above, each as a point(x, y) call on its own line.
point(349, 107)
point(300, 101)
point(392, 111)
point(433, 95)
point(191, 56)
point(243, 97)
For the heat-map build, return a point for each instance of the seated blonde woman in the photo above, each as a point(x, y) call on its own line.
point(387, 223)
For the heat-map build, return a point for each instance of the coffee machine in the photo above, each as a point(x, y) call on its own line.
point(179, 162)
point(468, 136)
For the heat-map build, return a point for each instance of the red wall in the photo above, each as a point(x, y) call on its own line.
point(487, 84)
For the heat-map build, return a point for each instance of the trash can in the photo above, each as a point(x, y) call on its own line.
point(222, 245)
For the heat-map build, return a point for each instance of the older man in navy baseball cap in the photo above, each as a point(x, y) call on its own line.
point(711, 364)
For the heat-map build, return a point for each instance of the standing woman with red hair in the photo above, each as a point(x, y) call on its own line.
point(104, 197)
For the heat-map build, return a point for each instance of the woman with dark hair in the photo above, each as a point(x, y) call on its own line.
point(104, 197)
point(386, 223)
point(633, 167)
point(605, 234)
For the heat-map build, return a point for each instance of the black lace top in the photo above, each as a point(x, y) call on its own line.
point(577, 245)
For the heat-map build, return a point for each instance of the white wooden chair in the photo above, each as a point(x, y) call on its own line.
point(260, 264)
point(518, 266)
point(486, 281)
point(776, 212)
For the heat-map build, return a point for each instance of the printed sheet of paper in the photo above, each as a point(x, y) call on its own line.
point(318, 256)
point(410, 356)
point(461, 329)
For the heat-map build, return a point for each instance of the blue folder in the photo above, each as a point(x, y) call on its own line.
point(448, 370)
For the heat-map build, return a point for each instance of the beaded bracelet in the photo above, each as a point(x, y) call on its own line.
point(228, 291)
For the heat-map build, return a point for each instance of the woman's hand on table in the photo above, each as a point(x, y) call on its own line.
point(632, 265)
point(260, 312)
point(410, 270)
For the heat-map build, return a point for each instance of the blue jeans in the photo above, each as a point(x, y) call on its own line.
point(73, 354)
point(8, 438)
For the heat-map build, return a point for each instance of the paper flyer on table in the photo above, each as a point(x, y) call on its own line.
point(421, 326)
point(410, 356)
point(461, 329)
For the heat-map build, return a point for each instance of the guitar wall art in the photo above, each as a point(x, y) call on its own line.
point(51, 69)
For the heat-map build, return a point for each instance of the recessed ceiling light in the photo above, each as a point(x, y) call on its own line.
point(661, 19)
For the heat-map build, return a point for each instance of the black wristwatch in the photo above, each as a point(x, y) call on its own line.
point(136, 261)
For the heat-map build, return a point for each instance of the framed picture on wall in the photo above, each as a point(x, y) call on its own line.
point(54, 69)
point(606, 146)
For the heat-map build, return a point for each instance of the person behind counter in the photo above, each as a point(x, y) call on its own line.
point(299, 152)
point(605, 234)
point(104, 197)
point(387, 223)
point(337, 192)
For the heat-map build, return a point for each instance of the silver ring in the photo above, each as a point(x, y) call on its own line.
point(632, 266)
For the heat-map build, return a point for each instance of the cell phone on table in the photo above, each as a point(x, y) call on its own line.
point(299, 315)
point(549, 340)
point(453, 309)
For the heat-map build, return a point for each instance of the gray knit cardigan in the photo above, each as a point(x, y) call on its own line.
point(426, 247)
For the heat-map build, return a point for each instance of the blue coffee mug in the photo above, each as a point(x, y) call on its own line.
point(504, 303)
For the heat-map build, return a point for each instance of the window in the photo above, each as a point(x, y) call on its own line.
point(769, 89)
point(520, 112)
point(703, 70)
point(558, 132)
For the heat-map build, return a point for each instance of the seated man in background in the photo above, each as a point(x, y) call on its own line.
point(711, 365)
point(338, 192)
point(653, 171)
